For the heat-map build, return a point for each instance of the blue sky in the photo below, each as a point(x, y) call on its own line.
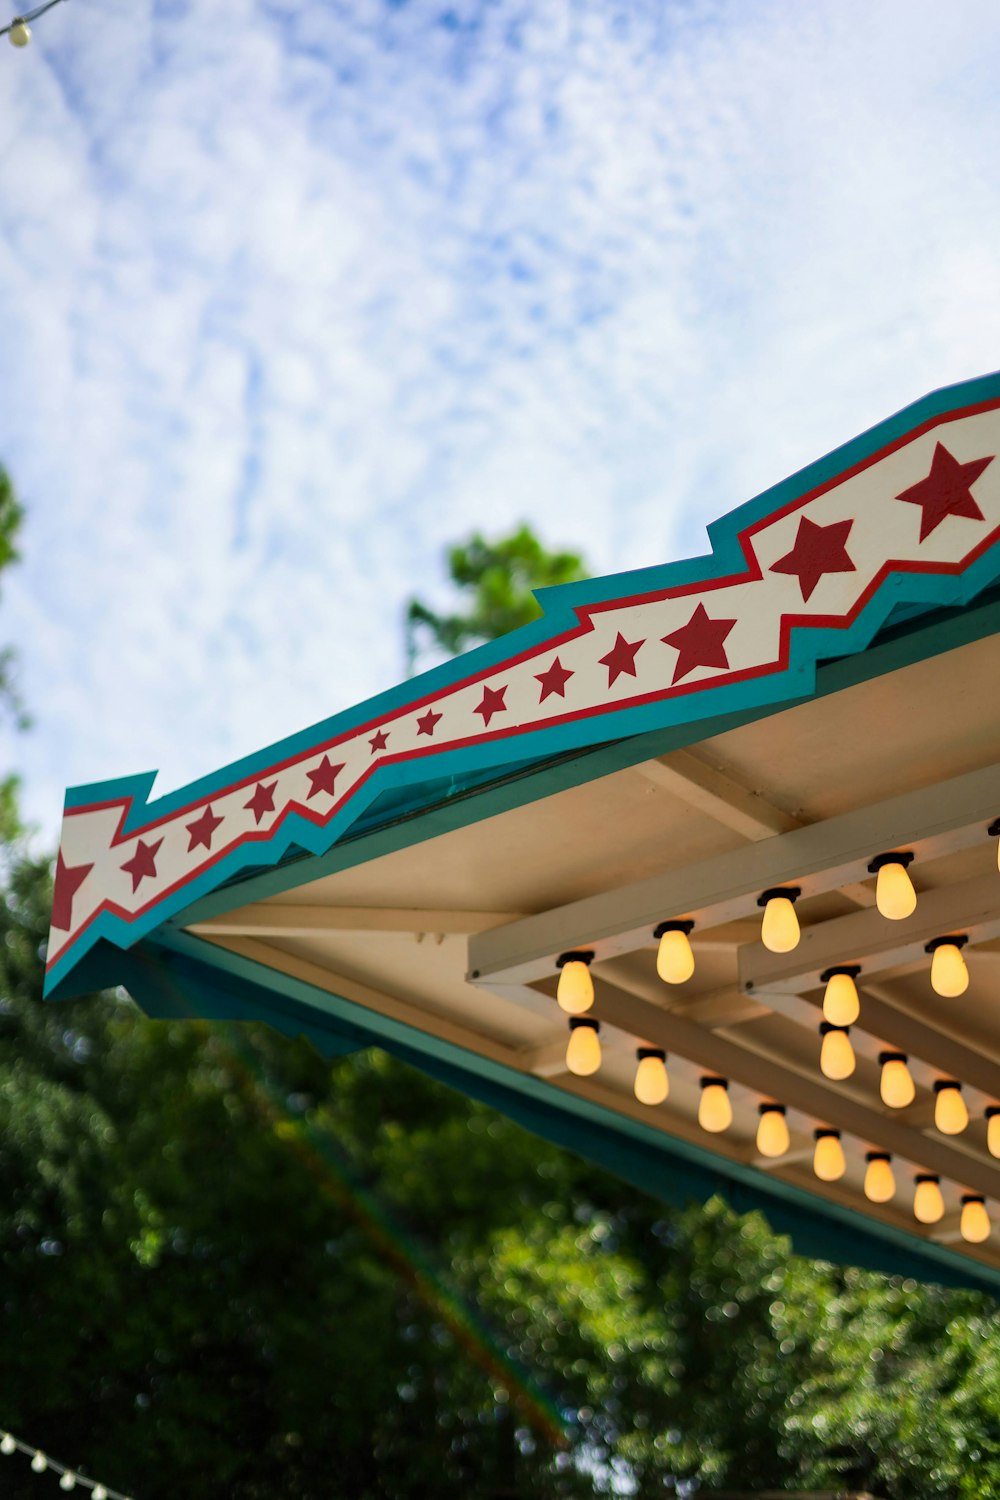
point(297, 293)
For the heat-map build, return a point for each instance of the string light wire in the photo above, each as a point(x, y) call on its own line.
point(22, 21)
point(41, 1462)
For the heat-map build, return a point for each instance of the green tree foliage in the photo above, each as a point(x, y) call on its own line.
point(496, 581)
point(231, 1268)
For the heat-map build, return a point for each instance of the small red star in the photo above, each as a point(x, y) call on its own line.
point(428, 722)
point(143, 862)
point(946, 490)
point(69, 879)
point(492, 703)
point(262, 800)
point(323, 777)
point(554, 680)
point(202, 828)
point(699, 643)
point(621, 658)
point(379, 740)
point(817, 550)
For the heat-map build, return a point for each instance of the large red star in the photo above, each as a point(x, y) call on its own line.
point(379, 740)
point(427, 723)
point(699, 643)
point(554, 680)
point(621, 658)
point(323, 777)
point(69, 879)
point(262, 800)
point(946, 490)
point(492, 703)
point(202, 828)
point(817, 550)
point(143, 862)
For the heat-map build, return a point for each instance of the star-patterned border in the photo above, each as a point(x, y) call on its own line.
point(908, 513)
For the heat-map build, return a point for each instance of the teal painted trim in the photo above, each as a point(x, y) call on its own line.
point(752, 697)
point(561, 606)
point(167, 977)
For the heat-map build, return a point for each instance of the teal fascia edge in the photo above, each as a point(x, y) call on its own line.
point(188, 977)
point(750, 699)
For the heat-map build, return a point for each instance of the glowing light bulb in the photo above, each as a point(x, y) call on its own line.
point(993, 1130)
point(975, 1221)
point(674, 958)
point(949, 976)
point(39, 1463)
point(575, 991)
point(950, 1113)
point(880, 1184)
point(7, 1444)
point(841, 1006)
point(715, 1113)
point(894, 893)
point(896, 1085)
point(651, 1082)
point(772, 1131)
point(928, 1204)
point(829, 1162)
point(779, 931)
point(99, 1492)
point(19, 34)
point(583, 1054)
point(836, 1055)
point(68, 1481)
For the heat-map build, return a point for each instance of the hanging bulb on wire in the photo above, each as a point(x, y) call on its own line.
point(896, 1084)
point(99, 1493)
point(575, 990)
point(949, 975)
point(39, 1463)
point(772, 1130)
point(993, 1129)
point(674, 958)
point(950, 1113)
point(894, 893)
point(583, 1052)
point(7, 1445)
point(779, 930)
point(841, 1006)
point(836, 1055)
point(974, 1225)
point(715, 1113)
point(829, 1162)
point(652, 1084)
point(19, 34)
point(928, 1204)
point(880, 1184)
point(68, 1481)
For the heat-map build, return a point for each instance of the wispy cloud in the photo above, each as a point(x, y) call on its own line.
point(293, 295)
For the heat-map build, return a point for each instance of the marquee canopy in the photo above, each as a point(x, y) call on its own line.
point(662, 746)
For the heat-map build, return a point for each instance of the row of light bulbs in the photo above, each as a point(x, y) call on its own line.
point(69, 1478)
point(780, 932)
point(715, 1114)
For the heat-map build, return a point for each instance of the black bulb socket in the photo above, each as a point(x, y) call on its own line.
point(878, 1156)
point(575, 1021)
point(825, 1135)
point(825, 1027)
point(792, 892)
point(710, 1078)
point(578, 956)
point(902, 857)
point(771, 1109)
point(956, 939)
point(643, 1052)
point(851, 970)
point(888, 1057)
point(947, 1083)
point(686, 926)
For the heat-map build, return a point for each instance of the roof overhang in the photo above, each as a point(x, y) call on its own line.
point(661, 744)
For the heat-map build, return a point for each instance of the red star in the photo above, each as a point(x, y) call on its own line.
point(621, 658)
point(323, 777)
point(379, 740)
point(202, 828)
point(427, 723)
point(262, 800)
point(492, 703)
point(817, 550)
point(554, 680)
point(699, 643)
point(69, 879)
point(143, 862)
point(946, 490)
